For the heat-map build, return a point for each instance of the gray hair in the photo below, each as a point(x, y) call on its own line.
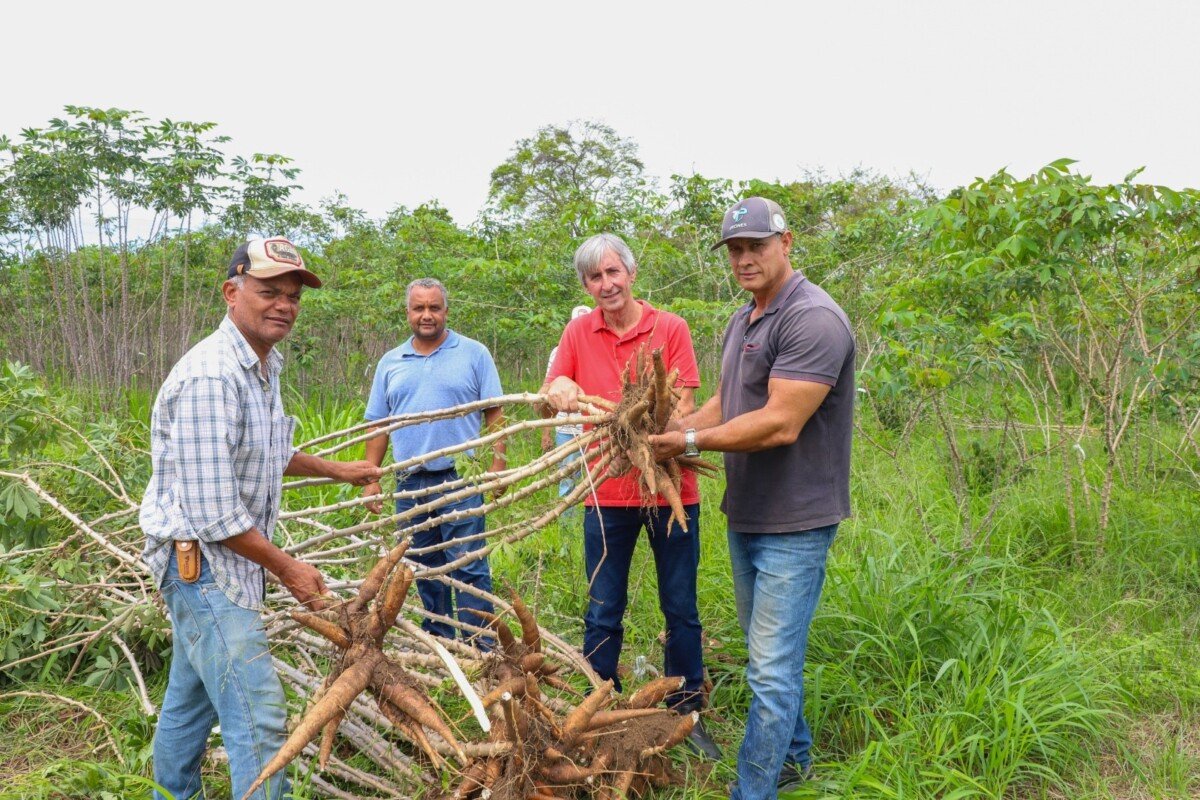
point(588, 256)
point(426, 283)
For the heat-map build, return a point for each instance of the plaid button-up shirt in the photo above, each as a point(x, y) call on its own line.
point(219, 444)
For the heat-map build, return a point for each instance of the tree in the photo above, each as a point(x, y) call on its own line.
point(98, 211)
point(582, 175)
point(1088, 287)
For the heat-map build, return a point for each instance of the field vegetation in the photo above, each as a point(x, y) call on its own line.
point(1012, 611)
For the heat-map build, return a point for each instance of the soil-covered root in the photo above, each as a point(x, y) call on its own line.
point(648, 403)
point(363, 665)
point(600, 746)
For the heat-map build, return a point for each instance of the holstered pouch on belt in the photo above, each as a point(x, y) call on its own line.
point(187, 559)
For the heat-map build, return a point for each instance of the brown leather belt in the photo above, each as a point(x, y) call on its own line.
point(187, 559)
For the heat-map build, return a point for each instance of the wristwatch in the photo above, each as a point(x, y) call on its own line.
point(689, 443)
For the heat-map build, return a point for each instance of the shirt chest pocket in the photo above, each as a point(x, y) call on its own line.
point(755, 362)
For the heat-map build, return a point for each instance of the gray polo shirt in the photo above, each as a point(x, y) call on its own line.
point(805, 336)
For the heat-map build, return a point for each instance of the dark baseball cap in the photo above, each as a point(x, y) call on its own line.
point(269, 258)
point(752, 218)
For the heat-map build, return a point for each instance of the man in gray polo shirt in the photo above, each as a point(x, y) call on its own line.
point(783, 418)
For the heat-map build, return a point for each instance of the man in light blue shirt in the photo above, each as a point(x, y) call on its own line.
point(437, 368)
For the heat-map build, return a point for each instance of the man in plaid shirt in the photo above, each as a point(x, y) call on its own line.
point(220, 446)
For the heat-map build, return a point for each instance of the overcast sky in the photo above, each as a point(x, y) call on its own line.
point(405, 102)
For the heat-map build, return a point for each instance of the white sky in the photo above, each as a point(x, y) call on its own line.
point(404, 102)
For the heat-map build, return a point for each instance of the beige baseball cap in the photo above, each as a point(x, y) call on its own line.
point(270, 258)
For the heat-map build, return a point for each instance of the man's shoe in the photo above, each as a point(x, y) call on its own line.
point(702, 744)
point(792, 776)
point(790, 779)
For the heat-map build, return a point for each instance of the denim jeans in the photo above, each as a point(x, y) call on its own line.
point(777, 579)
point(220, 670)
point(568, 483)
point(437, 597)
point(676, 559)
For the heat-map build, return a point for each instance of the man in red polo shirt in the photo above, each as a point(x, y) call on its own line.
point(594, 354)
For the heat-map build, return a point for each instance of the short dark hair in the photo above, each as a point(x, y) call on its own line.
point(426, 283)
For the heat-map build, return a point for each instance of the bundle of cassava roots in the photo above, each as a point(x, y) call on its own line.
point(388, 709)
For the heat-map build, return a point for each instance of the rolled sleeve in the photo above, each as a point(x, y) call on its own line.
point(236, 522)
point(203, 430)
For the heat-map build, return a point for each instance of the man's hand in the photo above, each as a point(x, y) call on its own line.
point(667, 445)
point(305, 583)
point(563, 394)
point(374, 489)
point(356, 473)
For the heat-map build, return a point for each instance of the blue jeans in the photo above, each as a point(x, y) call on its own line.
point(676, 559)
point(777, 579)
point(568, 483)
point(437, 597)
point(220, 670)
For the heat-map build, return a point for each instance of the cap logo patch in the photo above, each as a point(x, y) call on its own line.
point(739, 213)
point(282, 251)
point(777, 221)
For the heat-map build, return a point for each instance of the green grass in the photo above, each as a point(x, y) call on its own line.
point(1028, 666)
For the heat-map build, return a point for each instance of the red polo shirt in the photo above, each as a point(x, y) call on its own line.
point(591, 354)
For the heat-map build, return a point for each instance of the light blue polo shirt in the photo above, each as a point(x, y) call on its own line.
point(460, 371)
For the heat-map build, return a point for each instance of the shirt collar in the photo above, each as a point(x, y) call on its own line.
point(244, 353)
point(789, 288)
point(646, 323)
point(452, 340)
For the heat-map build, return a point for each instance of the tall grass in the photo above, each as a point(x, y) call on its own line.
point(1027, 666)
point(936, 676)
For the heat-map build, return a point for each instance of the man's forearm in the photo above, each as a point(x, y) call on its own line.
point(358, 473)
point(303, 580)
point(707, 416)
point(493, 419)
point(790, 404)
point(544, 409)
point(746, 433)
point(376, 448)
point(304, 465)
point(259, 549)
